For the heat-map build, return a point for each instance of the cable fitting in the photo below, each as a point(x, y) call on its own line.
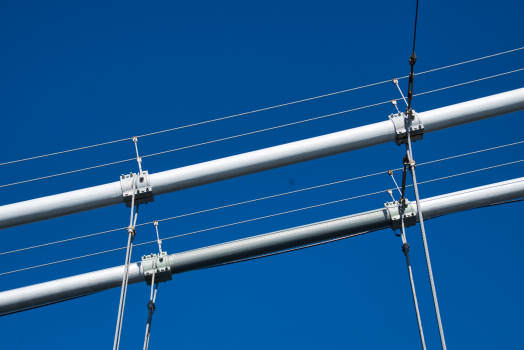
point(412, 59)
point(151, 306)
point(405, 248)
point(415, 127)
point(395, 208)
point(157, 264)
point(131, 231)
point(143, 188)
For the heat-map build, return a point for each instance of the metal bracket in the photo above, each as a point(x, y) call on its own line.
point(143, 189)
point(415, 127)
point(162, 269)
point(410, 216)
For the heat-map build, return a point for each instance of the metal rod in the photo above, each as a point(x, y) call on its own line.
point(76, 286)
point(252, 162)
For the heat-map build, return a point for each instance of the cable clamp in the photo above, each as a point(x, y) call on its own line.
point(143, 189)
point(161, 268)
point(151, 306)
point(394, 209)
point(405, 249)
point(415, 127)
point(131, 231)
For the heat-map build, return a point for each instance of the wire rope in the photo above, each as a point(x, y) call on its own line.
point(260, 218)
point(257, 131)
point(258, 110)
point(262, 198)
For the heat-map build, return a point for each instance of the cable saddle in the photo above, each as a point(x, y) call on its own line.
point(162, 270)
point(394, 208)
point(144, 191)
point(415, 126)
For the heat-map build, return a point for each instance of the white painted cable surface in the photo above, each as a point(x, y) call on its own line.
point(260, 110)
point(257, 161)
point(72, 287)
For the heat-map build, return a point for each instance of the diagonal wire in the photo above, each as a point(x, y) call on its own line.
point(259, 131)
point(262, 198)
point(260, 218)
point(258, 110)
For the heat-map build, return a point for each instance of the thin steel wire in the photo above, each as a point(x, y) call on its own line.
point(259, 131)
point(263, 198)
point(258, 110)
point(259, 218)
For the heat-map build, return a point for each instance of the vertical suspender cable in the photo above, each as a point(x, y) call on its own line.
point(405, 250)
point(131, 235)
point(409, 117)
point(424, 240)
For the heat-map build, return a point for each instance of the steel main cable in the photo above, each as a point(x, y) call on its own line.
point(258, 110)
point(257, 131)
point(259, 218)
point(262, 198)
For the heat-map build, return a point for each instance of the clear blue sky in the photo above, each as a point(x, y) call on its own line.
point(79, 73)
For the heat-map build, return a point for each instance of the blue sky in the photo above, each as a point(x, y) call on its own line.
point(76, 74)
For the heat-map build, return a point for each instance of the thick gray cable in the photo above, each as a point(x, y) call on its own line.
point(122, 296)
point(258, 110)
point(125, 278)
point(257, 131)
point(255, 219)
point(411, 279)
point(267, 197)
point(424, 240)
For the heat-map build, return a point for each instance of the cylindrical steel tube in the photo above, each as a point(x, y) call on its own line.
point(72, 287)
point(257, 161)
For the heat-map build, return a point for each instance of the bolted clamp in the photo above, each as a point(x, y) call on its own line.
point(414, 124)
point(410, 216)
point(143, 189)
point(159, 264)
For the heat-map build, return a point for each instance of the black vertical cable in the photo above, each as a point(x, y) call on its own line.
point(412, 61)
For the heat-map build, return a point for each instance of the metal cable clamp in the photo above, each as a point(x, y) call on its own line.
point(416, 128)
point(410, 215)
point(143, 190)
point(159, 264)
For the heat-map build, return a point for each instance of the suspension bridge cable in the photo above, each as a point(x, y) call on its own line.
point(258, 110)
point(262, 198)
point(260, 218)
point(257, 131)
